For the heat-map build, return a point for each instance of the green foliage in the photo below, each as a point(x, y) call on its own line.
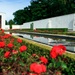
point(10, 23)
point(6, 23)
point(22, 60)
point(21, 63)
point(41, 9)
point(31, 26)
point(53, 29)
point(10, 26)
point(19, 17)
point(52, 63)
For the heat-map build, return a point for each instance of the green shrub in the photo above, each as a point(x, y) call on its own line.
point(53, 29)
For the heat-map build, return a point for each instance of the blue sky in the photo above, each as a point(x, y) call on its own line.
point(10, 6)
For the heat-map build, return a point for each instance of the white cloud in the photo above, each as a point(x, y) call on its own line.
point(9, 7)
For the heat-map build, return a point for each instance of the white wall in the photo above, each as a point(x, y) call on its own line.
point(37, 24)
point(65, 21)
point(6, 27)
point(74, 23)
point(16, 26)
point(26, 25)
point(41, 23)
point(13, 27)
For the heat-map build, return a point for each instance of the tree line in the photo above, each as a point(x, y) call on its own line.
point(42, 9)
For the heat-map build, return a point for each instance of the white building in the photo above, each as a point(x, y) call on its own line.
point(2, 20)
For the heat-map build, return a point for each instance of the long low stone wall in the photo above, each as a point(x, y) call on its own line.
point(66, 21)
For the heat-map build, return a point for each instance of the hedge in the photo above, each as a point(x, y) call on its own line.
point(53, 29)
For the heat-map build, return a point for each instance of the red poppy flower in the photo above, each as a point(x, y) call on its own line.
point(53, 54)
point(14, 51)
point(2, 44)
point(43, 68)
point(23, 48)
point(57, 50)
point(39, 68)
point(62, 49)
point(6, 36)
point(32, 66)
point(19, 40)
point(7, 54)
point(44, 60)
point(10, 45)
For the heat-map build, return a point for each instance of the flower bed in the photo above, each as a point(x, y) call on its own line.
point(18, 57)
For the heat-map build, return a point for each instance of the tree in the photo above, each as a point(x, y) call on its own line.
point(10, 23)
point(19, 17)
point(22, 16)
point(42, 9)
point(6, 23)
point(38, 9)
point(27, 14)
